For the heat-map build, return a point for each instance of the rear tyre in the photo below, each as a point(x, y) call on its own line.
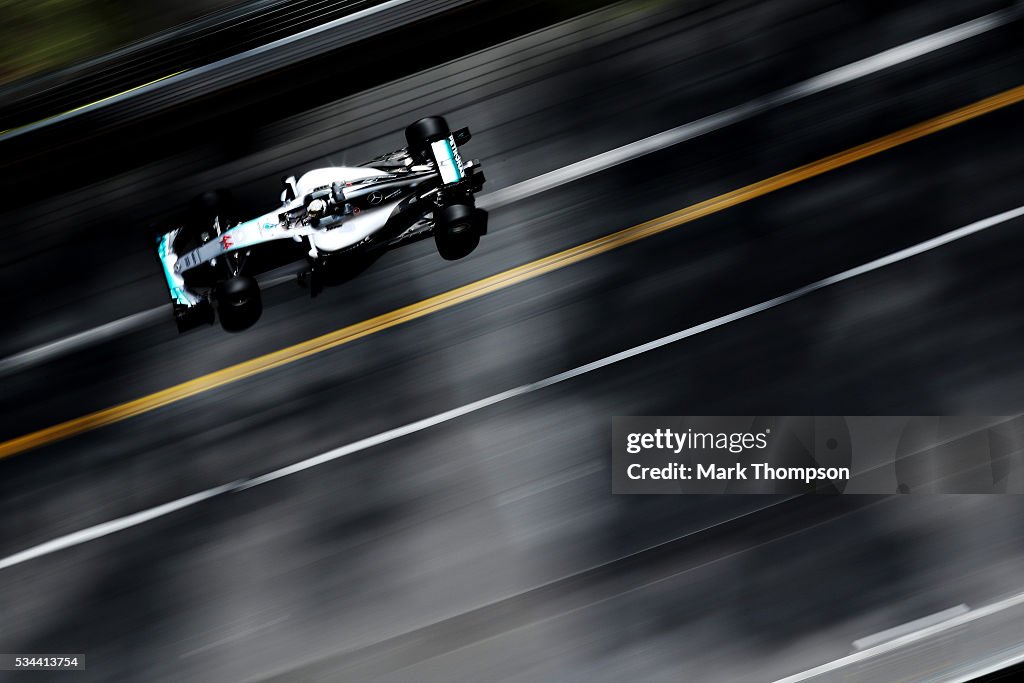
point(456, 233)
point(419, 135)
point(239, 304)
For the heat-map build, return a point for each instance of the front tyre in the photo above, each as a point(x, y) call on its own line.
point(456, 232)
point(239, 304)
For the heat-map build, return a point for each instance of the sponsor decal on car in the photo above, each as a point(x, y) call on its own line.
point(449, 162)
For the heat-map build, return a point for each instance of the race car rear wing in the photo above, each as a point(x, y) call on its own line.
point(447, 158)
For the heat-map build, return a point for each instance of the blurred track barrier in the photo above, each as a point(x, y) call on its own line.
point(508, 278)
point(97, 103)
point(273, 55)
point(220, 33)
point(300, 66)
point(222, 107)
point(955, 650)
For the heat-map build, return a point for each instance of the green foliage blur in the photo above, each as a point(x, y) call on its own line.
point(43, 35)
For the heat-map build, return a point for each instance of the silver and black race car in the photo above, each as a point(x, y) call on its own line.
point(334, 218)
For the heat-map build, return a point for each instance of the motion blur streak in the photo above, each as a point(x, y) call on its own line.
point(173, 77)
point(504, 279)
point(107, 528)
point(100, 530)
point(916, 636)
point(585, 167)
point(447, 416)
point(109, 330)
point(91, 105)
point(709, 124)
point(999, 665)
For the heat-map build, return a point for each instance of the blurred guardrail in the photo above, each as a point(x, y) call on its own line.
point(967, 645)
point(224, 101)
point(362, 20)
point(205, 40)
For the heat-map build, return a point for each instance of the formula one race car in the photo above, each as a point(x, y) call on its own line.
point(334, 218)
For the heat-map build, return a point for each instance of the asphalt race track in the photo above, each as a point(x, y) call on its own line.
point(488, 547)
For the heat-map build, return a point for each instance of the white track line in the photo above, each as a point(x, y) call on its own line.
point(909, 627)
point(988, 669)
point(55, 349)
point(812, 86)
point(909, 639)
point(601, 162)
point(116, 525)
point(107, 528)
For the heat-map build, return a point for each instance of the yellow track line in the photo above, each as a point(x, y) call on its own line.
point(504, 279)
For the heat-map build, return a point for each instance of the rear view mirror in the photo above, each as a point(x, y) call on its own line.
point(290, 190)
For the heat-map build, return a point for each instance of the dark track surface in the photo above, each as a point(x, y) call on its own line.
point(489, 548)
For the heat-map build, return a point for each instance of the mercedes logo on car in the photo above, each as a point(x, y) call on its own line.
point(375, 198)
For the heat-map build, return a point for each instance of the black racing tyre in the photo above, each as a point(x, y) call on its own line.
point(239, 304)
point(419, 135)
point(455, 232)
